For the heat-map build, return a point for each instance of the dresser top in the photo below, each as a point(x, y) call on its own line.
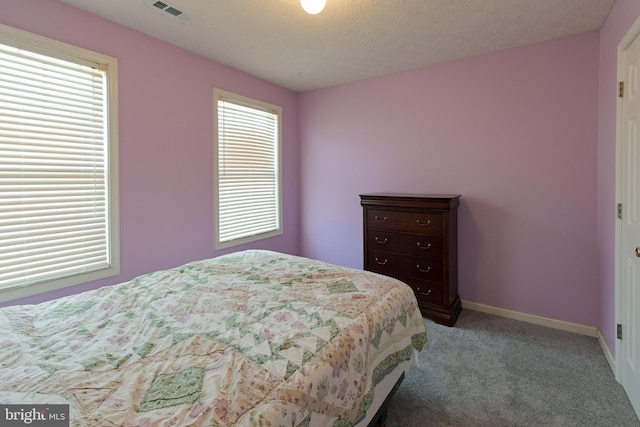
point(410, 199)
point(412, 195)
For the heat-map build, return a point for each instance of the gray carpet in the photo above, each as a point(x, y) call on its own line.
point(491, 371)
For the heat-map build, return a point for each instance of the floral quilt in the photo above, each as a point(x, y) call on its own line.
point(253, 338)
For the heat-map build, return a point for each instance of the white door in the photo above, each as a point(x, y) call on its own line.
point(628, 249)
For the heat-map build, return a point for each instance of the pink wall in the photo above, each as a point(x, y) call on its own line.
point(514, 132)
point(620, 19)
point(166, 138)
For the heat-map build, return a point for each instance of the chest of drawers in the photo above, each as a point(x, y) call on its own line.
point(414, 238)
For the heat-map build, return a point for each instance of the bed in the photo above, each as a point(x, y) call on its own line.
point(252, 338)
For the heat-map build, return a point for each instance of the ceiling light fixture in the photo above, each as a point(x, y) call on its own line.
point(313, 7)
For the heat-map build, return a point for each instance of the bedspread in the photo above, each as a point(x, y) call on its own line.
point(253, 338)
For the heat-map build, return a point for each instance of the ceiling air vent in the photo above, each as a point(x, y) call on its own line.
point(171, 10)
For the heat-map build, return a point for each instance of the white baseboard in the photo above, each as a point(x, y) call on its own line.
point(531, 318)
point(591, 331)
point(607, 353)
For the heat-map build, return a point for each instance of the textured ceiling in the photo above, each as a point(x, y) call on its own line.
point(351, 39)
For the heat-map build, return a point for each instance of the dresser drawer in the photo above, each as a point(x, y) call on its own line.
point(397, 265)
point(407, 221)
point(409, 244)
point(426, 293)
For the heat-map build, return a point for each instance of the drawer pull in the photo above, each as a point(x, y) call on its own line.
point(425, 293)
point(428, 246)
point(423, 224)
point(377, 218)
point(382, 242)
point(428, 269)
point(381, 262)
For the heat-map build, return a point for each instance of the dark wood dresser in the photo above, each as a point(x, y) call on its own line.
point(414, 238)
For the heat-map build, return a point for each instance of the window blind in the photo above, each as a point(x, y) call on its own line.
point(53, 168)
point(248, 177)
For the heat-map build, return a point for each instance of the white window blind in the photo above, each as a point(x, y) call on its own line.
point(54, 174)
point(248, 176)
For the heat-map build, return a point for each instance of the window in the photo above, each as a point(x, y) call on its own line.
point(58, 165)
point(247, 169)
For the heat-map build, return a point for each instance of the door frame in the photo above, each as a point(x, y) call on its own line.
point(627, 40)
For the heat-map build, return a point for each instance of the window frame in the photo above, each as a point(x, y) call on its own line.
point(53, 48)
point(219, 94)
